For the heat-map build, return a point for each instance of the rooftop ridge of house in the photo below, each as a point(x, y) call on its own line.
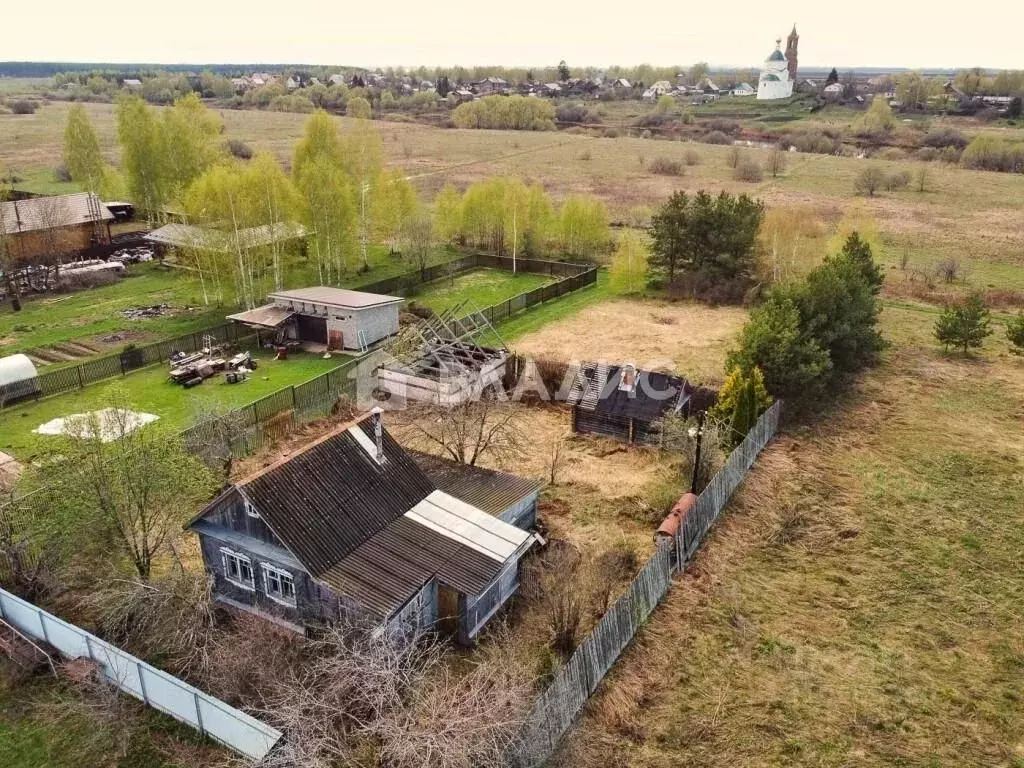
point(303, 449)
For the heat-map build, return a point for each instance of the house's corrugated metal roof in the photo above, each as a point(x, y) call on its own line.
point(41, 213)
point(203, 238)
point(387, 570)
point(469, 526)
point(269, 316)
point(336, 297)
point(486, 489)
point(328, 499)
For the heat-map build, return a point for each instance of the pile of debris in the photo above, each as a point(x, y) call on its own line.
point(141, 313)
point(134, 255)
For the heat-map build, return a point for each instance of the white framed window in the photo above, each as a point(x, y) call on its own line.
point(238, 569)
point(279, 585)
point(250, 510)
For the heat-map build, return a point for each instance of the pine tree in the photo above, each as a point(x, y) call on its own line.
point(1015, 332)
point(857, 252)
point(964, 326)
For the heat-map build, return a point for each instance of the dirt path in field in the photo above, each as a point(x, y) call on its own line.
point(689, 339)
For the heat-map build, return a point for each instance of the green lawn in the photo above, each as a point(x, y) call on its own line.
point(151, 391)
point(92, 314)
point(40, 729)
point(550, 311)
point(483, 287)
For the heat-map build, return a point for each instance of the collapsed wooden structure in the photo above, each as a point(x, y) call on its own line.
point(443, 359)
point(628, 404)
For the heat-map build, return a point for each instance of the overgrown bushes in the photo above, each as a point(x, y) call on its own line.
point(664, 166)
point(22, 107)
point(814, 142)
point(748, 170)
point(716, 137)
point(516, 113)
point(940, 138)
point(989, 153)
point(239, 149)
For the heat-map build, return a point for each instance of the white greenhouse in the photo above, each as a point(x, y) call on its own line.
point(18, 379)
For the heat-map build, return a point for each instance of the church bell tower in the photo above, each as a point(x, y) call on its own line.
point(791, 43)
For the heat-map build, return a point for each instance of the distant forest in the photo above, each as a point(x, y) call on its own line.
point(51, 68)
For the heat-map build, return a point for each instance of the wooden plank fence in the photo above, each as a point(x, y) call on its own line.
point(557, 708)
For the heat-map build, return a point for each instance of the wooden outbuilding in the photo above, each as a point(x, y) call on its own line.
point(623, 402)
point(47, 229)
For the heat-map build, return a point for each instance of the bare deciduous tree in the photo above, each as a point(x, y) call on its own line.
point(218, 430)
point(170, 619)
point(359, 693)
point(470, 430)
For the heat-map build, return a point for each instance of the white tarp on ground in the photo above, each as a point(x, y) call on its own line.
point(110, 423)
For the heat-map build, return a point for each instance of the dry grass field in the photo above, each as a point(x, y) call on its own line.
point(973, 215)
point(861, 601)
point(689, 339)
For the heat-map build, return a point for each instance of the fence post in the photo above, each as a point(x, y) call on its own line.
point(142, 683)
point(42, 624)
point(199, 714)
point(78, 369)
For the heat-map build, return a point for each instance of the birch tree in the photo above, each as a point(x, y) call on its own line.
point(274, 203)
point(395, 204)
point(362, 151)
point(219, 198)
point(143, 155)
point(448, 214)
point(82, 154)
point(583, 227)
point(629, 264)
point(327, 194)
point(190, 140)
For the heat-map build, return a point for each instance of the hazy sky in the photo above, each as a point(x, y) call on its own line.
point(527, 32)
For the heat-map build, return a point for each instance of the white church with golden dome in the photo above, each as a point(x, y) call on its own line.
point(779, 72)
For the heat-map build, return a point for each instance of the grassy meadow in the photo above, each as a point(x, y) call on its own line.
point(974, 216)
point(860, 602)
point(480, 287)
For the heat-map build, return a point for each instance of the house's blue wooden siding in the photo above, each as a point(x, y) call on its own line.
point(522, 514)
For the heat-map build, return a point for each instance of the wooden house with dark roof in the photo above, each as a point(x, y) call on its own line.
point(351, 528)
point(628, 404)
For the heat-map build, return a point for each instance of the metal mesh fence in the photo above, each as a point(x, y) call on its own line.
point(131, 358)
